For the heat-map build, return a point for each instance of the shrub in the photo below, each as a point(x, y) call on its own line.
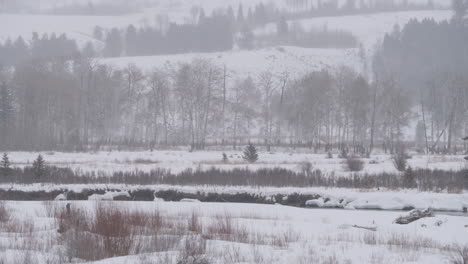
point(194, 224)
point(400, 160)
point(250, 153)
point(306, 168)
point(112, 224)
point(225, 158)
point(354, 163)
point(4, 212)
point(461, 256)
point(193, 251)
point(344, 153)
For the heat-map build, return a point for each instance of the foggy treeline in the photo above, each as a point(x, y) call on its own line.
point(57, 102)
point(219, 31)
point(304, 8)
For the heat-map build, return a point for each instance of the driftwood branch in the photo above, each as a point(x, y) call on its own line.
point(413, 215)
point(366, 227)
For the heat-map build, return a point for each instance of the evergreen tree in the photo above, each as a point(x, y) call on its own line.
point(201, 16)
point(131, 41)
point(240, 14)
point(460, 8)
point(250, 153)
point(409, 179)
point(5, 166)
point(39, 167)
point(89, 51)
point(113, 44)
point(97, 33)
point(282, 27)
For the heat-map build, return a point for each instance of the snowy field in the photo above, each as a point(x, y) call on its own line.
point(293, 60)
point(178, 160)
point(221, 233)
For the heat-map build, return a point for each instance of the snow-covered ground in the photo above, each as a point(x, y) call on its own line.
point(178, 160)
point(293, 60)
point(240, 233)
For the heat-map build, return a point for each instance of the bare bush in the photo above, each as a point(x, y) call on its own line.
point(224, 228)
point(354, 163)
point(112, 224)
point(4, 212)
point(369, 238)
point(19, 226)
point(193, 250)
point(460, 256)
point(428, 180)
point(405, 241)
point(283, 240)
point(306, 167)
point(194, 224)
point(400, 160)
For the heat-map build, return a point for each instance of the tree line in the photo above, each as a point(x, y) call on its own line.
point(17, 51)
point(430, 61)
point(209, 34)
point(75, 105)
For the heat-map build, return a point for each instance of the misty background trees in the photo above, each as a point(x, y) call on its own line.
point(222, 30)
point(55, 95)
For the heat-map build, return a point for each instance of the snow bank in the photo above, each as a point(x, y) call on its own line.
point(331, 197)
point(156, 199)
point(187, 200)
point(108, 196)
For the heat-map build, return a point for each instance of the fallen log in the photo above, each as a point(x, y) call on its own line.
point(366, 227)
point(413, 215)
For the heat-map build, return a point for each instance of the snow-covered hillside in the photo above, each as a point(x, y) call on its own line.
point(369, 29)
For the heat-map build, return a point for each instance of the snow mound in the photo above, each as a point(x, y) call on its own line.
point(157, 199)
point(187, 200)
point(315, 203)
point(61, 197)
point(325, 203)
point(108, 196)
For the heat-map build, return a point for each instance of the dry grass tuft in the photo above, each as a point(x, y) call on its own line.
point(4, 212)
point(460, 256)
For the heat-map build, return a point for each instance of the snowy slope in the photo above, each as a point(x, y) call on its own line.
point(368, 28)
point(296, 61)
